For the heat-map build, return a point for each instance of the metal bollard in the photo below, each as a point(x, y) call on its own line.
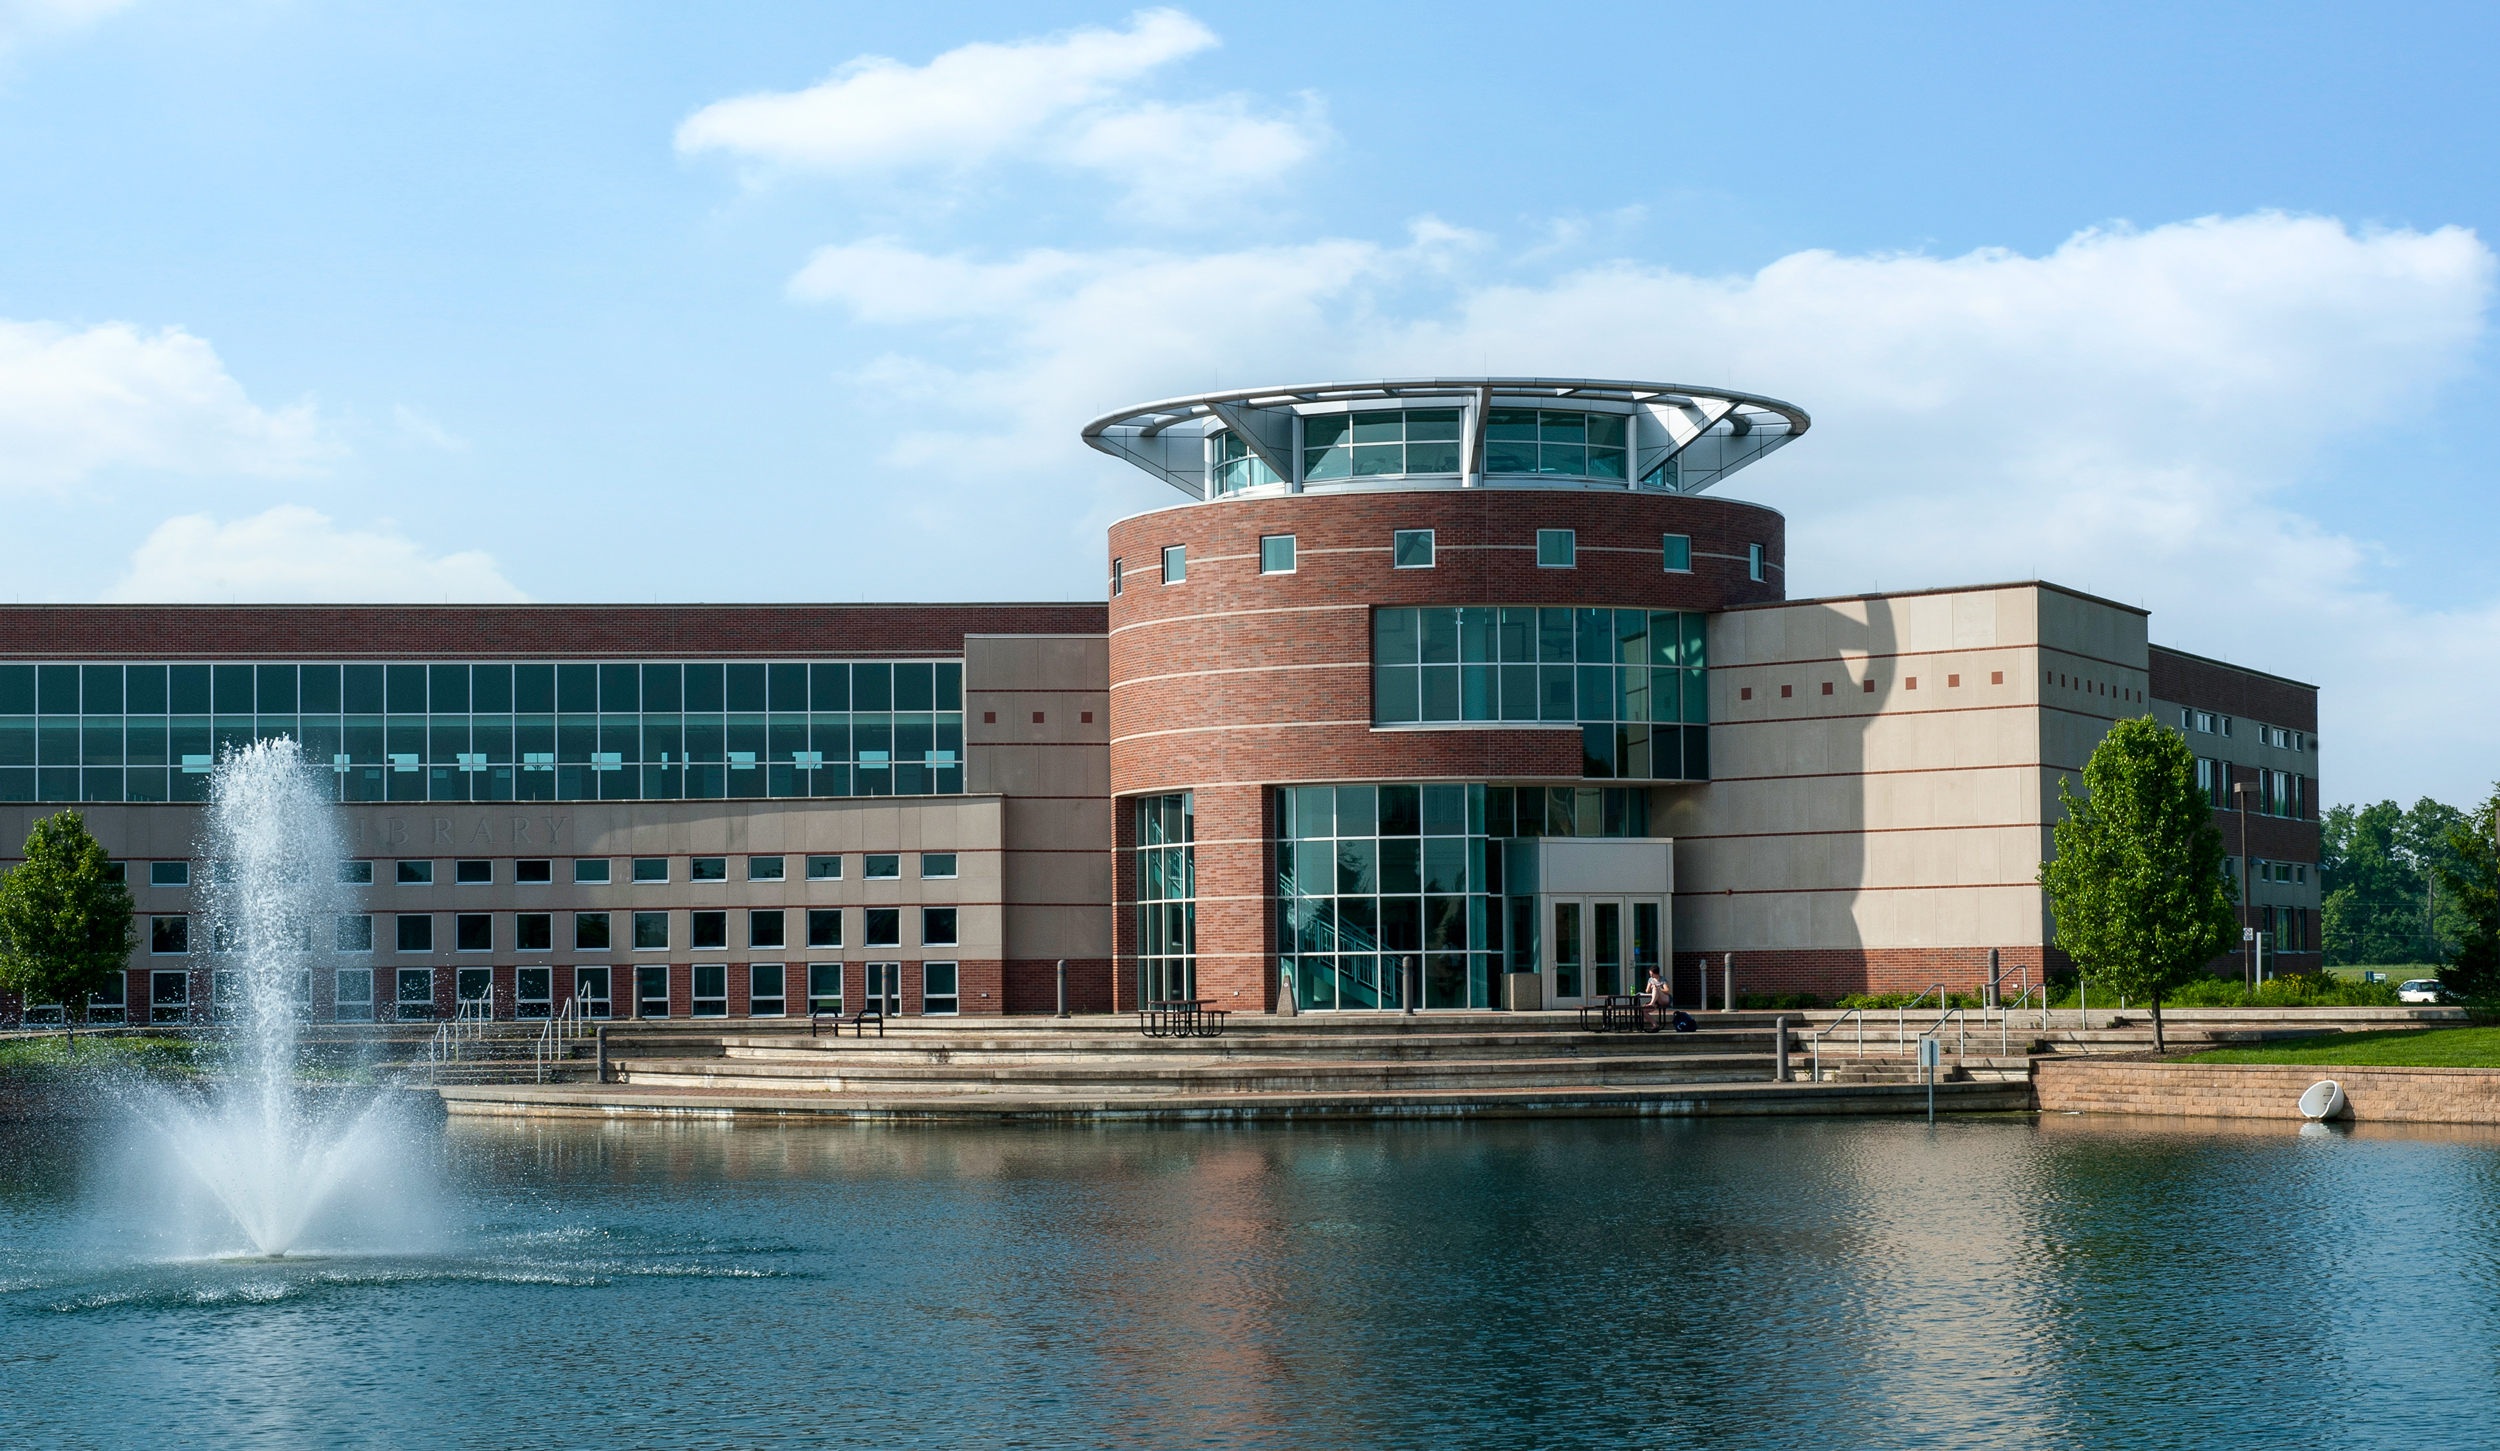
point(1727, 989)
point(602, 1035)
point(1779, 1050)
point(1063, 987)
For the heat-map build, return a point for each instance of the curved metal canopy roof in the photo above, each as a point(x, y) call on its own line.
point(1711, 432)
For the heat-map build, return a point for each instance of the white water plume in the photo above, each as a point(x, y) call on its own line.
point(256, 1151)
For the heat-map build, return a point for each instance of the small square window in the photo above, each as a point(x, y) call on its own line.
point(935, 864)
point(708, 930)
point(1996, 677)
point(1910, 684)
point(1556, 548)
point(824, 927)
point(1276, 554)
point(1870, 685)
point(535, 873)
point(534, 932)
point(1787, 692)
point(651, 869)
point(651, 931)
point(875, 866)
point(416, 874)
point(474, 873)
point(937, 926)
point(1753, 561)
point(1745, 693)
point(354, 934)
point(764, 929)
point(474, 931)
point(416, 932)
point(596, 870)
point(885, 927)
point(1085, 717)
point(708, 869)
point(1410, 549)
point(1176, 564)
point(764, 868)
point(169, 874)
point(1115, 578)
point(989, 717)
point(824, 869)
point(169, 935)
point(355, 874)
point(1827, 687)
point(1037, 717)
point(1952, 681)
point(1678, 553)
point(590, 931)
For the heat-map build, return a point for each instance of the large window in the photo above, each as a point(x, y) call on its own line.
point(1634, 680)
point(475, 732)
point(1167, 912)
point(1552, 441)
point(1381, 442)
point(1236, 468)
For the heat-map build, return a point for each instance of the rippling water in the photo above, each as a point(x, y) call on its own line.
point(1838, 1283)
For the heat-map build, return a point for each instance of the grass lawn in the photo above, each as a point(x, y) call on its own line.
point(50, 1056)
point(2403, 1048)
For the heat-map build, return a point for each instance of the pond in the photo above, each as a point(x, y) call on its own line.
point(2057, 1281)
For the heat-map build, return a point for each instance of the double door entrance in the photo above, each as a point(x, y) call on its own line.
point(1601, 946)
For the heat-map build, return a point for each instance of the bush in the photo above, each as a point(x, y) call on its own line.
point(1903, 1000)
point(1778, 1000)
point(2313, 990)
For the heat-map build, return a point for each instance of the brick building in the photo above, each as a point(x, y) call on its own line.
point(1457, 693)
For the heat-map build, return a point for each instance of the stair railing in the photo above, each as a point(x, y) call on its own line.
point(1961, 1034)
point(467, 1024)
point(1816, 1047)
point(557, 1036)
point(2005, 1012)
point(1901, 1018)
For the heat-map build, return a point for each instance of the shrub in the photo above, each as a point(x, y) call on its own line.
point(1778, 1000)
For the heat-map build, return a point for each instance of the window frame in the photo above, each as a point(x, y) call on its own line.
point(520, 938)
point(461, 868)
point(1116, 581)
point(1292, 554)
point(817, 916)
point(696, 864)
point(1398, 539)
point(661, 879)
point(1569, 539)
point(607, 932)
point(399, 933)
point(1667, 553)
point(413, 872)
point(780, 999)
point(460, 924)
point(868, 866)
point(780, 918)
point(644, 919)
point(1176, 554)
point(953, 1000)
point(835, 875)
point(339, 934)
point(1757, 562)
point(892, 919)
point(953, 926)
point(178, 876)
point(780, 868)
point(696, 921)
point(951, 859)
point(606, 867)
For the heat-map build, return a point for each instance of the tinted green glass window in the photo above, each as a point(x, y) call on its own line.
point(146, 688)
point(100, 690)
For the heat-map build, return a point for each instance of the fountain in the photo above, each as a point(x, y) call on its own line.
point(260, 1154)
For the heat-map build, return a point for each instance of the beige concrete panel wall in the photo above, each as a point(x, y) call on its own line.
point(1055, 773)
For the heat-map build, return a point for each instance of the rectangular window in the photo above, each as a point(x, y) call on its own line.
point(1276, 554)
point(708, 869)
point(1410, 549)
point(650, 931)
point(764, 929)
point(764, 999)
point(651, 869)
point(355, 874)
point(416, 932)
point(169, 874)
point(416, 874)
point(938, 996)
point(708, 931)
point(1556, 548)
point(824, 869)
point(589, 870)
point(937, 926)
point(533, 992)
point(354, 990)
point(936, 864)
point(824, 927)
point(764, 868)
point(534, 932)
point(824, 987)
point(474, 873)
point(590, 931)
point(885, 927)
point(1678, 553)
point(537, 872)
point(1115, 579)
point(1753, 561)
point(354, 934)
point(169, 936)
point(474, 931)
point(876, 866)
point(711, 989)
point(1176, 564)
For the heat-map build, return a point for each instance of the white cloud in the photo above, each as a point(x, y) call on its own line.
point(75, 402)
point(294, 555)
point(416, 427)
point(2126, 414)
point(24, 20)
point(1066, 100)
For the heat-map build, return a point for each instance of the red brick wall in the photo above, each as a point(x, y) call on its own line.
point(1830, 972)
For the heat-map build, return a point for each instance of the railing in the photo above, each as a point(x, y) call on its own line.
point(1816, 1047)
point(557, 1035)
point(2006, 1011)
point(1961, 1030)
point(1901, 1017)
point(466, 1025)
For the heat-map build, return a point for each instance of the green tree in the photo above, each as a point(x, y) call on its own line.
point(2424, 838)
point(2469, 877)
point(65, 926)
point(2371, 906)
point(2136, 880)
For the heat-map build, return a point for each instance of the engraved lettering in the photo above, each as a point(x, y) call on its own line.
point(485, 833)
point(397, 827)
point(520, 831)
point(442, 831)
point(555, 829)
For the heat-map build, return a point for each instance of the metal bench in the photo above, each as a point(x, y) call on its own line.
point(1181, 1018)
point(859, 1022)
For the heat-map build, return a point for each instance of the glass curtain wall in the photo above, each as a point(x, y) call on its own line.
point(1167, 889)
point(578, 731)
point(1635, 681)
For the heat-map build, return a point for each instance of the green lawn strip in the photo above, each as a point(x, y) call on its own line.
point(2401, 1048)
point(53, 1056)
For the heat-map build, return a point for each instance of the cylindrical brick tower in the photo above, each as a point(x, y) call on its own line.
point(1398, 627)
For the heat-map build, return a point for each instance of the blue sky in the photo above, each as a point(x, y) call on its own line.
point(771, 301)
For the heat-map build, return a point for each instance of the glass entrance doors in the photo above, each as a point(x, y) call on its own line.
point(885, 989)
point(1599, 947)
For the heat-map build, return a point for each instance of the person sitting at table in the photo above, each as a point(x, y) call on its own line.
point(1655, 993)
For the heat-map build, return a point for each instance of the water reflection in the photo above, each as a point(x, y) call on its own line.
point(2066, 1281)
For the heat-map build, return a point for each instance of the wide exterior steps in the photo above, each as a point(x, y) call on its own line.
point(1200, 1076)
point(1970, 1069)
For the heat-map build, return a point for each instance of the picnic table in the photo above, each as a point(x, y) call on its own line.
point(1623, 1013)
point(1181, 1018)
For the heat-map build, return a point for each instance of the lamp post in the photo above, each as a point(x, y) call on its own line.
point(2240, 790)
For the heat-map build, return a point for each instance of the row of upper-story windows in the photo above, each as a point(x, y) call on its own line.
point(647, 870)
point(1416, 549)
point(2265, 791)
point(2206, 722)
point(169, 935)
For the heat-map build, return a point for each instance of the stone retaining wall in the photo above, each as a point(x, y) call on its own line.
point(2262, 1090)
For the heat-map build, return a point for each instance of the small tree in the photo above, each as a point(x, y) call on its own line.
point(64, 925)
point(2136, 883)
point(2469, 876)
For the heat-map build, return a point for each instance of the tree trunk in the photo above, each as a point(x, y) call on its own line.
point(2159, 1046)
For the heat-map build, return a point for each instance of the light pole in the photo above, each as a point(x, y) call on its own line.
point(2248, 915)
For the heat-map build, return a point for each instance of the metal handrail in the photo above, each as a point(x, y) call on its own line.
point(467, 1024)
point(2005, 1012)
point(1901, 1023)
point(558, 1034)
point(1961, 1030)
point(1816, 1047)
